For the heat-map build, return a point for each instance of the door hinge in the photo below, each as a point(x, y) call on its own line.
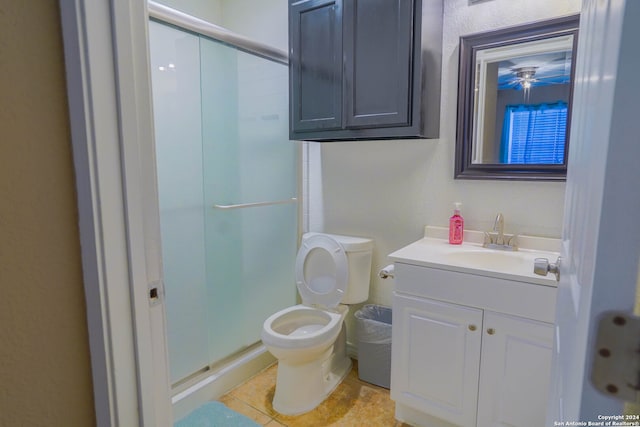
point(616, 360)
point(156, 292)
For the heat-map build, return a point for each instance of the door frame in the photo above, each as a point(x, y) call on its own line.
point(109, 96)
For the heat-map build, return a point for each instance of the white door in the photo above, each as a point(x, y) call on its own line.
point(601, 233)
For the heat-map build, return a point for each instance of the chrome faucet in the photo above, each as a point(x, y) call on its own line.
point(497, 239)
point(498, 226)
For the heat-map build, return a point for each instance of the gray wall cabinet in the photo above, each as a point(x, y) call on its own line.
point(364, 69)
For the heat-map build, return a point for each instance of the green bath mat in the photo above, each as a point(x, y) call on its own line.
point(215, 414)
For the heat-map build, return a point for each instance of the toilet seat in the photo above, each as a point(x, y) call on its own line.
point(316, 285)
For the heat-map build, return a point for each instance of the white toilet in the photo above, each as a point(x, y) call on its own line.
point(309, 339)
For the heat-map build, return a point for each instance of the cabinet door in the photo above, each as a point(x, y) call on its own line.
point(378, 62)
point(315, 65)
point(515, 372)
point(435, 358)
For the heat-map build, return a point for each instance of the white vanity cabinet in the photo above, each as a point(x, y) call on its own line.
point(470, 350)
point(436, 357)
point(515, 368)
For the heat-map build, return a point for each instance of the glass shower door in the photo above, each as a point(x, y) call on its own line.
point(249, 192)
point(227, 179)
point(175, 73)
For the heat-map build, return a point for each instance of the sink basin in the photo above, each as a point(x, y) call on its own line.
point(488, 259)
point(475, 259)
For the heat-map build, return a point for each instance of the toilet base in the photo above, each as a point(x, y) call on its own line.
point(301, 388)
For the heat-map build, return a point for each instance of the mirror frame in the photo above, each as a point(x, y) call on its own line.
point(469, 46)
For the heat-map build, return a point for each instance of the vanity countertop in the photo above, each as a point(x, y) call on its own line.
point(470, 257)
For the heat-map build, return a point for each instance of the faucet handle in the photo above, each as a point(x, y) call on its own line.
point(487, 239)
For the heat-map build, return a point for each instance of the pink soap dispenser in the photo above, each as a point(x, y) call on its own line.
point(456, 226)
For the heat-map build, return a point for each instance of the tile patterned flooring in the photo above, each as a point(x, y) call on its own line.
point(354, 403)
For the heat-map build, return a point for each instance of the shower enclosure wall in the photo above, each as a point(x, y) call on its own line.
point(227, 182)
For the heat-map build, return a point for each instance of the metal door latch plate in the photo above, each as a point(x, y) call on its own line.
point(616, 362)
point(156, 292)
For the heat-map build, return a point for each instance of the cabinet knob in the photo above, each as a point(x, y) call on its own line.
point(491, 331)
point(472, 327)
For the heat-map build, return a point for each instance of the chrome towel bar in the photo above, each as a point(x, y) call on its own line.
point(256, 204)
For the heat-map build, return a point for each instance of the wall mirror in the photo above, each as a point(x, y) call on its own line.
point(514, 101)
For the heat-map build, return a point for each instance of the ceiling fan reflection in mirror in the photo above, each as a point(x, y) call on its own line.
point(525, 76)
point(537, 70)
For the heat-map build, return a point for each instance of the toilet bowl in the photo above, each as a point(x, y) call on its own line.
point(309, 339)
point(302, 339)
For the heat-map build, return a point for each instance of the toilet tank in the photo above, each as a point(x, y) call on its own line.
point(358, 251)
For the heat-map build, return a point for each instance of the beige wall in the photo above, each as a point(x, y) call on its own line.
point(44, 352)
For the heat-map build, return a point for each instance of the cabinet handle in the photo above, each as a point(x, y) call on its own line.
point(491, 331)
point(472, 327)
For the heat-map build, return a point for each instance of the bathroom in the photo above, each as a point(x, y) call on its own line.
point(389, 190)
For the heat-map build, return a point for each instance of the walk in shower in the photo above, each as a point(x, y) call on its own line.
point(227, 183)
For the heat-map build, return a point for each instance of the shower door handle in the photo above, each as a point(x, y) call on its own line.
point(256, 204)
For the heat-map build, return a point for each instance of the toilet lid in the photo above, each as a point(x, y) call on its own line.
point(321, 271)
